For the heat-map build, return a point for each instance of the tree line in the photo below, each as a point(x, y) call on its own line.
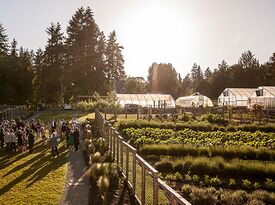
point(83, 61)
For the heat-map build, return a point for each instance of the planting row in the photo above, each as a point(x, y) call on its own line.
point(218, 166)
point(207, 181)
point(196, 126)
point(212, 196)
point(229, 152)
point(168, 136)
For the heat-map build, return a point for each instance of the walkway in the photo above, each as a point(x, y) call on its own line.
point(77, 187)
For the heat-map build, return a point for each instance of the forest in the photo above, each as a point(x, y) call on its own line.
point(84, 61)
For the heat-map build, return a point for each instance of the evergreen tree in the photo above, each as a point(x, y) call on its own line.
point(4, 46)
point(53, 65)
point(14, 48)
point(115, 69)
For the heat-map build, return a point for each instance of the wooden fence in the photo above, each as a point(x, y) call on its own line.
point(141, 176)
point(12, 113)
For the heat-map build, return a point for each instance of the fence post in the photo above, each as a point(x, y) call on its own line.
point(143, 184)
point(114, 143)
point(134, 170)
point(117, 147)
point(155, 188)
point(127, 162)
point(126, 112)
point(121, 152)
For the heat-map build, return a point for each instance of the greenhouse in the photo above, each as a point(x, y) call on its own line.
point(235, 97)
point(264, 96)
point(195, 100)
point(146, 100)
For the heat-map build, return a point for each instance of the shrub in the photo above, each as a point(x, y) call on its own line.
point(232, 182)
point(246, 183)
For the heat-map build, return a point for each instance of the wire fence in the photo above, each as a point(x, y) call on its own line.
point(141, 176)
point(12, 113)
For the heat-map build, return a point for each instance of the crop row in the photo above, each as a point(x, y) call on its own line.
point(212, 196)
point(168, 136)
point(218, 166)
point(196, 126)
point(207, 181)
point(229, 152)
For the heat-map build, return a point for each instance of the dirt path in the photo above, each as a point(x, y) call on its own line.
point(78, 183)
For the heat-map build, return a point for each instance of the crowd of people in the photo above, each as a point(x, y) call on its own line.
point(19, 136)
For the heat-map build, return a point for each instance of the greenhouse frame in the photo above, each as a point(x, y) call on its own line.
point(194, 100)
point(235, 97)
point(146, 100)
point(264, 96)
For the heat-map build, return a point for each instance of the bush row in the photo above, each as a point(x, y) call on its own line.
point(229, 152)
point(196, 126)
point(217, 182)
point(168, 136)
point(218, 166)
point(212, 196)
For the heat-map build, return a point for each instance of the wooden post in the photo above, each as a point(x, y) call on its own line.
point(155, 188)
point(117, 147)
point(127, 162)
point(134, 171)
point(143, 184)
point(121, 152)
point(115, 115)
point(126, 112)
point(114, 143)
point(267, 119)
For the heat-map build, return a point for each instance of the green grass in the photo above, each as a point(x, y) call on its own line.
point(33, 178)
point(60, 114)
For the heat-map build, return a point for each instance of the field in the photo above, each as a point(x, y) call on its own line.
point(201, 162)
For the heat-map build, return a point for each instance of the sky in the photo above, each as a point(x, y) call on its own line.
point(180, 32)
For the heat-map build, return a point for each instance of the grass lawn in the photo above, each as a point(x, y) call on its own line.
point(35, 178)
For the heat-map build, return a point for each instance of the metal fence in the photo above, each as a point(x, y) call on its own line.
point(12, 113)
point(141, 176)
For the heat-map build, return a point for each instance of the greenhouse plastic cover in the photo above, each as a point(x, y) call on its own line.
point(146, 100)
point(195, 100)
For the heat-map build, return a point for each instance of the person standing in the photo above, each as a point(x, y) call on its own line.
point(13, 140)
point(76, 138)
point(54, 142)
point(19, 139)
point(31, 140)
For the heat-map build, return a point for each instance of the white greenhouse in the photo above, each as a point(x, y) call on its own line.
point(235, 97)
point(264, 96)
point(194, 100)
point(146, 100)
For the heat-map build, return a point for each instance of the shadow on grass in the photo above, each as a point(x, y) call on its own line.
point(40, 166)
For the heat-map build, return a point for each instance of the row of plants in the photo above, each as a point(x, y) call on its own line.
point(196, 126)
point(208, 181)
point(254, 169)
point(106, 180)
point(99, 102)
point(168, 136)
point(228, 152)
point(213, 196)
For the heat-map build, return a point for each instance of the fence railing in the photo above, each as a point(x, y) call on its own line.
point(12, 113)
point(141, 176)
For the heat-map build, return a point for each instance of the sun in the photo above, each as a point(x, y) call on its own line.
point(159, 32)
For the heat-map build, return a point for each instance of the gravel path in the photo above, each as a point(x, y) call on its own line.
point(78, 182)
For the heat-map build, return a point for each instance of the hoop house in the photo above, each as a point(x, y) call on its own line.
point(195, 100)
point(264, 96)
point(235, 97)
point(146, 100)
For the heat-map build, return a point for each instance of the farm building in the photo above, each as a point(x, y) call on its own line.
point(264, 96)
point(146, 100)
point(194, 100)
point(235, 97)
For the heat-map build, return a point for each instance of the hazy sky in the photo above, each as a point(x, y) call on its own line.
point(180, 32)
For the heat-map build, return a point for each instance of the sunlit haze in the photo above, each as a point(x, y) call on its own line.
point(180, 32)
